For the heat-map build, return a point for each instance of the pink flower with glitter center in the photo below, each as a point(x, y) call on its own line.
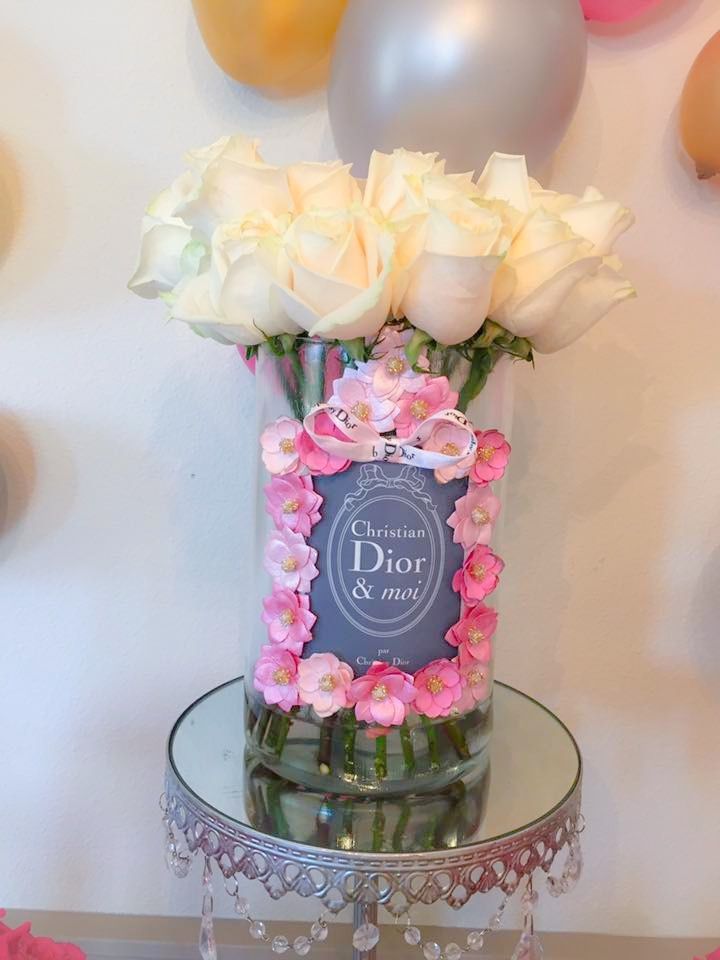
point(391, 375)
point(415, 408)
point(438, 687)
point(292, 502)
point(478, 576)
point(289, 619)
point(276, 677)
point(476, 681)
point(492, 456)
point(450, 440)
point(318, 461)
point(356, 395)
point(382, 695)
point(279, 446)
point(474, 516)
point(290, 561)
point(324, 682)
point(474, 632)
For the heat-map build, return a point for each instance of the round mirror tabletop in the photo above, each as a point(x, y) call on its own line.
point(527, 787)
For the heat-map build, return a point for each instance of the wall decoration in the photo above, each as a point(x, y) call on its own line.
point(275, 44)
point(700, 110)
point(462, 78)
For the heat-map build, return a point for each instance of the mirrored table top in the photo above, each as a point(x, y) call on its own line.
point(530, 771)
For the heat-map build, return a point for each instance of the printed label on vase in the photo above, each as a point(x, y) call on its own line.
point(386, 558)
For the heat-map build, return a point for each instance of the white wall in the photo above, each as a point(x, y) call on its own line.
point(123, 557)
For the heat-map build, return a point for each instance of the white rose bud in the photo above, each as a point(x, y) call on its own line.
point(340, 263)
point(322, 186)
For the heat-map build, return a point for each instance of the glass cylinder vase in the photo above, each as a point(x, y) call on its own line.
point(370, 667)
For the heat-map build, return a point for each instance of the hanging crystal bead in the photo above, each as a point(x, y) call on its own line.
point(319, 931)
point(257, 930)
point(432, 950)
point(453, 952)
point(206, 943)
point(366, 937)
point(301, 946)
point(242, 907)
point(475, 941)
point(412, 936)
point(280, 945)
point(528, 948)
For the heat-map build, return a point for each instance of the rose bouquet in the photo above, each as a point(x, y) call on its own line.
point(376, 312)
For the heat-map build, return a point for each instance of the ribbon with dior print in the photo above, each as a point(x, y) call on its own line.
point(365, 445)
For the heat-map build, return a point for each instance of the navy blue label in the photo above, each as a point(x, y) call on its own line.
point(386, 559)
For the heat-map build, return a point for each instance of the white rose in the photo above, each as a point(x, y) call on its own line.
point(559, 277)
point(237, 299)
point(340, 265)
point(395, 182)
point(446, 289)
point(322, 186)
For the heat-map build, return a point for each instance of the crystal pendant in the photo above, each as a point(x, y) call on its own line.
point(412, 936)
point(453, 952)
point(257, 930)
point(366, 937)
point(528, 948)
point(280, 945)
point(301, 946)
point(319, 931)
point(475, 941)
point(432, 950)
point(206, 943)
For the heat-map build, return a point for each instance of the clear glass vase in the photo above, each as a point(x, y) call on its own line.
point(345, 750)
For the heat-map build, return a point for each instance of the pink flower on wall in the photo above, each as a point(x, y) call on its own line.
point(478, 576)
point(292, 503)
point(290, 561)
point(357, 396)
point(289, 619)
point(493, 453)
point(435, 394)
point(276, 677)
point(474, 516)
point(20, 944)
point(323, 683)
point(438, 687)
point(279, 445)
point(317, 460)
point(474, 632)
point(383, 695)
point(451, 440)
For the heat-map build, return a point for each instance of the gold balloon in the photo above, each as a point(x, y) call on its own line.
point(700, 110)
point(281, 45)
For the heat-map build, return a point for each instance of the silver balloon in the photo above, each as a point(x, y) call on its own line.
point(460, 77)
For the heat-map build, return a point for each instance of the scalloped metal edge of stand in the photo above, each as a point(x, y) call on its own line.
point(394, 880)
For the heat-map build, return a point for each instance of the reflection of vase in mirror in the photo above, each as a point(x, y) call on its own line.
point(446, 819)
point(278, 44)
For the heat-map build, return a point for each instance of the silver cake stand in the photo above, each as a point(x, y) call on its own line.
point(502, 831)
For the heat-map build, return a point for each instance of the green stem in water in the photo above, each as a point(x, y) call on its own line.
point(349, 735)
point(457, 738)
point(381, 757)
point(325, 746)
point(407, 749)
point(296, 397)
point(378, 828)
point(277, 814)
point(433, 748)
point(281, 728)
point(399, 831)
point(262, 725)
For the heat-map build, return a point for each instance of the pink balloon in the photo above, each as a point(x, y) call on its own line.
point(616, 11)
point(251, 363)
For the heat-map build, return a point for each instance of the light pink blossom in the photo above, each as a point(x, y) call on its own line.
point(292, 503)
point(391, 376)
point(474, 632)
point(415, 408)
point(317, 460)
point(391, 339)
point(438, 688)
point(492, 457)
point(476, 681)
point(478, 576)
point(451, 440)
point(279, 446)
point(383, 695)
point(474, 516)
point(276, 677)
point(290, 561)
point(289, 619)
point(358, 396)
point(323, 683)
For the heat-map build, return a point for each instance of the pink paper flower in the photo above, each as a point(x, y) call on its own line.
point(289, 619)
point(276, 677)
point(474, 516)
point(382, 695)
point(415, 408)
point(391, 376)
point(391, 339)
point(478, 576)
point(292, 503)
point(476, 681)
point(450, 440)
point(492, 457)
point(474, 632)
point(20, 944)
point(279, 446)
point(317, 460)
point(290, 561)
point(323, 683)
point(358, 396)
point(438, 688)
